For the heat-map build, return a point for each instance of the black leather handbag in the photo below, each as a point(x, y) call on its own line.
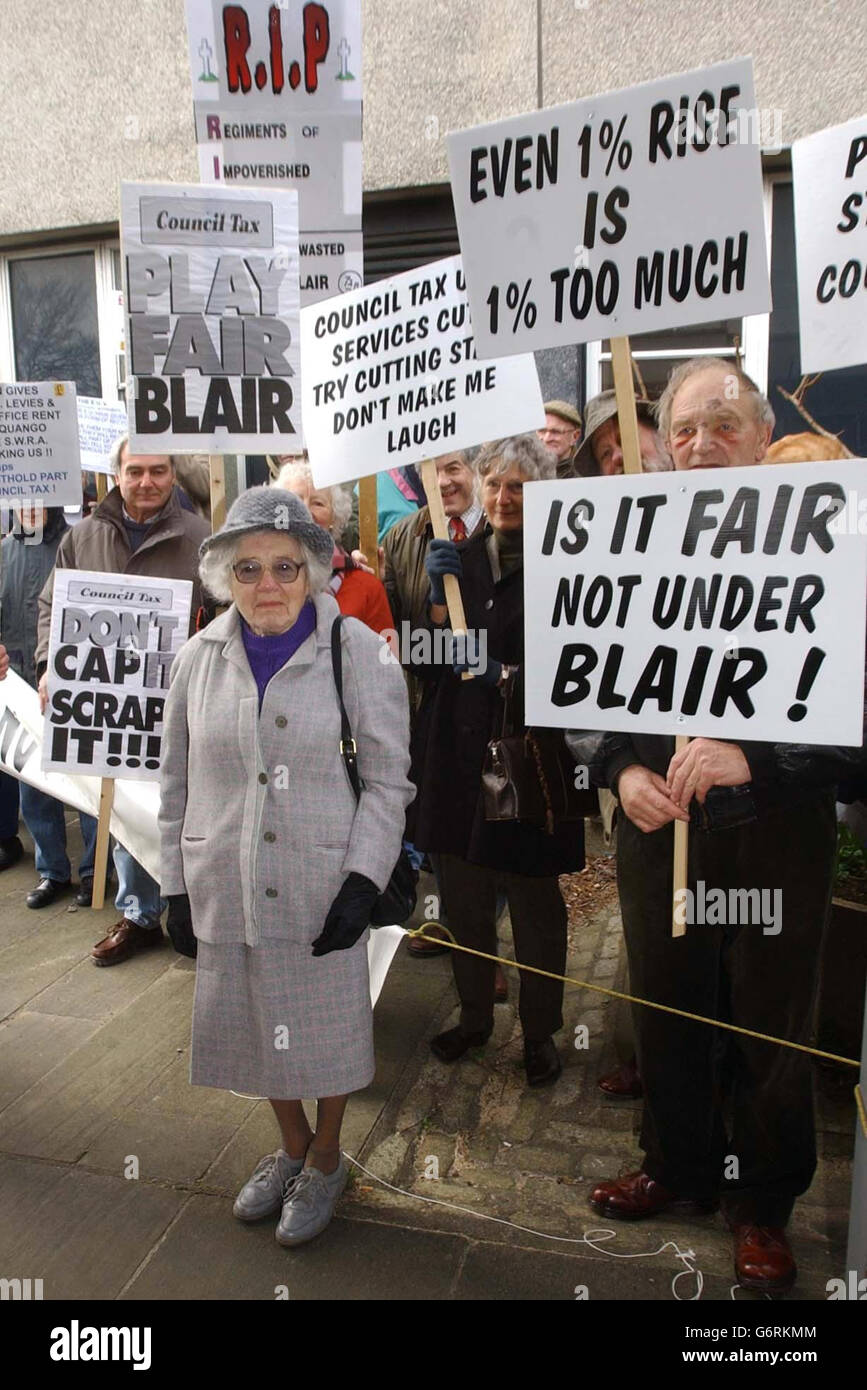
point(397, 903)
point(531, 776)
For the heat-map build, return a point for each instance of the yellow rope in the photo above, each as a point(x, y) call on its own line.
point(419, 932)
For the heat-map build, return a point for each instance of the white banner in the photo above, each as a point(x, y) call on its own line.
point(624, 213)
point(136, 804)
point(113, 640)
point(39, 444)
point(728, 604)
point(100, 424)
point(277, 101)
point(391, 377)
point(212, 318)
point(830, 178)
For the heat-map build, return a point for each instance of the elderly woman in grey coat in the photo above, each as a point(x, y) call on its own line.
point(266, 853)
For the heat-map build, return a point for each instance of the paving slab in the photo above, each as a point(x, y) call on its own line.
point(82, 1234)
point(32, 1044)
point(60, 1118)
point(207, 1254)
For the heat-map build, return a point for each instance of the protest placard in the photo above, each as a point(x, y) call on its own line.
point(633, 211)
point(391, 377)
point(39, 456)
point(728, 605)
point(112, 643)
point(829, 170)
point(100, 424)
point(277, 101)
point(212, 318)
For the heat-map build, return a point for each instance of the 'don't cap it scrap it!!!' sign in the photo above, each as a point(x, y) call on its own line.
point(391, 377)
point(629, 212)
point(112, 643)
point(727, 603)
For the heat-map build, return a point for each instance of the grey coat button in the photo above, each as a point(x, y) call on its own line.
point(281, 721)
point(263, 778)
point(489, 603)
point(269, 837)
point(270, 892)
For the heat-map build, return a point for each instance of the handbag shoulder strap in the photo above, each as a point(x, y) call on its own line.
point(348, 750)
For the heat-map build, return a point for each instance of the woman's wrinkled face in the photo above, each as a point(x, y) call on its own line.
point(317, 503)
point(270, 606)
point(503, 499)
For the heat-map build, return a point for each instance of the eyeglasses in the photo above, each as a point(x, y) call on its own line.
point(251, 571)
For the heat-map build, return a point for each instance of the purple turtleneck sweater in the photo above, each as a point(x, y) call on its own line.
point(268, 655)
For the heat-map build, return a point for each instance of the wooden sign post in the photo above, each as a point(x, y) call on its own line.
point(217, 467)
point(628, 421)
point(368, 522)
point(100, 863)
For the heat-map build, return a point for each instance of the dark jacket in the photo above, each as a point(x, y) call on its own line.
point(24, 568)
point(169, 551)
point(456, 723)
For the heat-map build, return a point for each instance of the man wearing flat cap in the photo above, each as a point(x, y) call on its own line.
point(601, 453)
point(561, 434)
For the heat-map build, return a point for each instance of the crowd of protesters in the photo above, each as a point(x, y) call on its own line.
point(272, 883)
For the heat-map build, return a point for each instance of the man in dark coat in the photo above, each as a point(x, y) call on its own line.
point(753, 830)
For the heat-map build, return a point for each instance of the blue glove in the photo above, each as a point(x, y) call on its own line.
point(442, 558)
point(466, 656)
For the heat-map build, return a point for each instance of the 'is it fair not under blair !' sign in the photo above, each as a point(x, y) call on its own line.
point(630, 212)
point(112, 643)
point(212, 310)
point(727, 603)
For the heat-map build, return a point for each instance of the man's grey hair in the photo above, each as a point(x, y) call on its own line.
point(526, 452)
point(745, 384)
point(117, 449)
point(299, 470)
point(215, 567)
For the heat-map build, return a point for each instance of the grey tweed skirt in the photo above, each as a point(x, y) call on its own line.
point(272, 1020)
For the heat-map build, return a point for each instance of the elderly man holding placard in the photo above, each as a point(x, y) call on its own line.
point(751, 829)
point(140, 528)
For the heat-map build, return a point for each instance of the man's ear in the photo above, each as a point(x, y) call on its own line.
point(764, 441)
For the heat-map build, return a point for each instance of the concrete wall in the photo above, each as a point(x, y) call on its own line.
point(98, 90)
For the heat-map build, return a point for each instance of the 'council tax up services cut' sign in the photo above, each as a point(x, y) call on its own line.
point(630, 212)
point(727, 603)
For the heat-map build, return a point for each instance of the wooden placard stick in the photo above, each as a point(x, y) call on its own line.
point(621, 359)
point(101, 487)
point(217, 468)
point(454, 601)
point(368, 522)
point(106, 801)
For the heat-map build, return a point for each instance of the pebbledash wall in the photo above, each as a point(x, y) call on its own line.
point(95, 91)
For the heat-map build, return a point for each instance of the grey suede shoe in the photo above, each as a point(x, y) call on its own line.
point(309, 1202)
point(263, 1194)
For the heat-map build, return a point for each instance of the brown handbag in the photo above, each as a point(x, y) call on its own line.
point(531, 776)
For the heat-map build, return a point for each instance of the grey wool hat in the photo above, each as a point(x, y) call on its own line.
point(271, 509)
point(597, 410)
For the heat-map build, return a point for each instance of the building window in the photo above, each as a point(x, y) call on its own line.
point(655, 354)
point(55, 324)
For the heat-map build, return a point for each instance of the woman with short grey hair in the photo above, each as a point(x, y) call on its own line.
point(359, 593)
point(270, 861)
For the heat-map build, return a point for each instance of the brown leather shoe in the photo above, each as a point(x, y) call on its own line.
point(623, 1083)
point(124, 939)
point(763, 1258)
point(636, 1195)
point(429, 944)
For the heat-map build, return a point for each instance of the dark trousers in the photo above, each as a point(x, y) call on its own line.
point(692, 1072)
point(8, 806)
point(538, 916)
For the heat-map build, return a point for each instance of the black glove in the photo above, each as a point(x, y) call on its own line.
point(179, 925)
point(348, 915)
point(442, 558)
